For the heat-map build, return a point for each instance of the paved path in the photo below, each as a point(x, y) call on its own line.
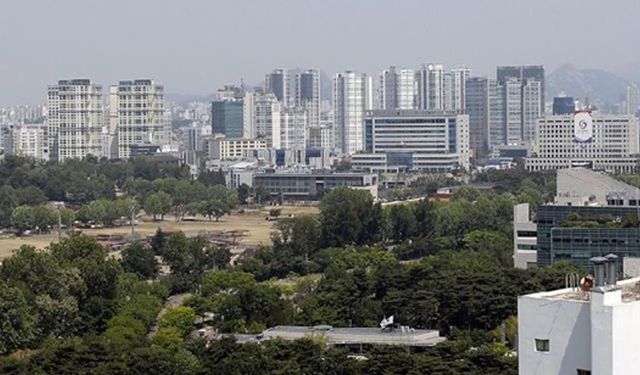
point(171, 302)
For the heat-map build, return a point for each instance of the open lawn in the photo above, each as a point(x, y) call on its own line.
point(253, 221)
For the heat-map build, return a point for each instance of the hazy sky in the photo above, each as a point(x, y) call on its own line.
point(195, 46)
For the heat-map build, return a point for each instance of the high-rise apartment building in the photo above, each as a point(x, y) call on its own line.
point(351, 91)
point(293, 131)
point(75, 119)
point(262, 113)
point(141, 119)
point(27, 140)
point(632, 100)
point(531, 108)
point(388, 86)
point(397, 89)
point(524, 73)
point(497, 126)
point(459, 76)
point(431, 87)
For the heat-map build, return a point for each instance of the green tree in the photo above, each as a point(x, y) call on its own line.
point(180, 318)
point(344, 217)
point(43, 218)
point(23, 218)
point(401, 222)
point(140, 260)
point(158, 204)
point(243, 193)
point(17, 320)
point(261, 194)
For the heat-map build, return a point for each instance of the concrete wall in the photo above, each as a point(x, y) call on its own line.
point(566, 324)
point(522, 221)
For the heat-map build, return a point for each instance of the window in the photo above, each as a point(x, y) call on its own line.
point(584, 372)
point(542, 345)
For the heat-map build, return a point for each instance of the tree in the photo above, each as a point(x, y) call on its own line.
point(495, 243)
point(23, 218)
point(243, 193)
point(158, 240)
point(140, 260)
point(8, 201)
point(262, 194)
point(180, 318)
point(159, 203)
point(16, 319)
point(43, 218)
point(219, 201)
point(345, 218)
point(275, 212)
point(401, 221)
point(301, 234)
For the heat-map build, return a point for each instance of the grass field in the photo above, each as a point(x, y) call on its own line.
point(254, 222)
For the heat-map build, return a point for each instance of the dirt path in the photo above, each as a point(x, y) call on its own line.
point(171, 302)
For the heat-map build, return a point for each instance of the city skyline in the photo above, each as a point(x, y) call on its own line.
point(208, 41)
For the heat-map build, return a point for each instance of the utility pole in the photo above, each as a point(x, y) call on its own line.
point(132, 211)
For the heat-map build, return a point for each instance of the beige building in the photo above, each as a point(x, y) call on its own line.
point(136, 111)
point(234, 148)
point(75, 119)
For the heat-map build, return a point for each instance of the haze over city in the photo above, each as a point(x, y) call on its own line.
point(194, 47)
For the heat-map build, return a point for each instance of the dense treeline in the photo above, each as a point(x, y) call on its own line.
point(92, 192)
point(437, 265)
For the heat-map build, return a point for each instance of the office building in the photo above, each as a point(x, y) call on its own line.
point(607, 142)
point(234, 148)
point(531, 108)
point(75, 119)
point(497, 126)
point(280, 82)
point(592, 213)
point(477, 107)
point(140, 115)
point(308, 95)
point(388, 89)
point(311, 187)
point(351, 91)
point(434, 141)
point(262, 117)
point(512, 110)
point(588, 328)
point(227, 118)
point(564, 105)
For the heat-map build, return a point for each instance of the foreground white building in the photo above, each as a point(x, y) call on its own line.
point(591, 332)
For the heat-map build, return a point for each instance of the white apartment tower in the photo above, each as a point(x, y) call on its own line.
point(459, 76)
point(140, 113)
point(398, 89)
point(262, 117)
point(29, 140)
point(513, 110)
point(350, 97)
point(531, 108)
point(293, 129)
point(75, 119)
point(431, 87)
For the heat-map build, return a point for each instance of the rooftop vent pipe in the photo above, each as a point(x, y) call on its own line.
point(599, 266)
point(612, 269)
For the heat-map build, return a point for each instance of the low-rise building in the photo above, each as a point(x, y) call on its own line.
point(312, 186)
point(234, 148)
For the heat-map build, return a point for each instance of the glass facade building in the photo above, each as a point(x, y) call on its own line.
point(227, 118)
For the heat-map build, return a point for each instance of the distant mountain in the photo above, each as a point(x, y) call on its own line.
point(599, 86)
point(629, 71)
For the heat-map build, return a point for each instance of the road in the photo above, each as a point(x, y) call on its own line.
point(171, 302)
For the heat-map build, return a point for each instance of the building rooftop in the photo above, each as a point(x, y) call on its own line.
point(351, 336)
point(630, 292)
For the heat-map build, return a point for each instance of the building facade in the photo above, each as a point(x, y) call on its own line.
point(312, 187)
point(262, 117)
point(234, 148)
point(350, 97)
point(28, 140)
point(612, 144)
point(227, 118)
point(75, 119)
point(477, 107)
point(434, 141)
point(141, 119)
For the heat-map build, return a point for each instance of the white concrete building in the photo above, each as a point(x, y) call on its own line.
point(308, 95)
point(140, 115)
point(581, 330)
point(28, 140)
point(351, 97)
point(531, 108)
point(612, 144)
point(431, 87)
point(459, 76)
point(293, 130)
point(525, 238)
point(436, 141)
point(407, 89)
point(75, 119)
point(262, 117)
